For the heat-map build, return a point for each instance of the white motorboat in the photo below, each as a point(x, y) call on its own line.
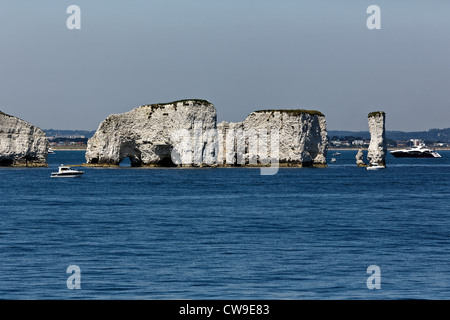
point(333, 160)
point(336, 154)
point(375, 166)
point(417, 151)
point(67, 172)
point(50, 150)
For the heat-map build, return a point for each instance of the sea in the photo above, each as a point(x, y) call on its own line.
point(339, 232)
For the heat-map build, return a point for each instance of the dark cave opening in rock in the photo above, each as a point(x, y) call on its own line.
point(164, 151)
point(6, 162)
point(166, 162)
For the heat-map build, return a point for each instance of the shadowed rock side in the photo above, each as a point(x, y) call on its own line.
point(376, 153)
point(21, 144)
point(302, 137)
point(145, 135)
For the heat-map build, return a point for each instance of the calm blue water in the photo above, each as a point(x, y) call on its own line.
point(227, 233)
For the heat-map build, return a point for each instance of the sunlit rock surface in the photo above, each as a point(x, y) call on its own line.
point(21, 144)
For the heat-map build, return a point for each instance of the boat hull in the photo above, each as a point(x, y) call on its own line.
point(67, 175)
point(413, 155)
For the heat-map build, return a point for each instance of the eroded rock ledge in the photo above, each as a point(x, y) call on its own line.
point(21, 144)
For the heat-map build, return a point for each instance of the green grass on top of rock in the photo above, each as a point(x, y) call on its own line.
point(376, 113)
point(293, 111)
point(4, 114)
point(196, 101)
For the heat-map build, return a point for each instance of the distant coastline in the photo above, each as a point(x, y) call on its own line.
point(432, 134)
point(69, 148)
point(76, 140)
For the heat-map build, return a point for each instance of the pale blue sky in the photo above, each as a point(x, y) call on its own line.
point(242, 55)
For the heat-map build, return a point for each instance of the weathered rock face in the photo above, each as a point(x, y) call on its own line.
point(230, 137)
point(185, 133)
point(147, 134)
point(377, 148)
point(21, 144)
point(360, 158)
point(290, 137)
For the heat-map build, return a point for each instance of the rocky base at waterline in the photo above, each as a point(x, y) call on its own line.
point(21, 144)
point(185, 133)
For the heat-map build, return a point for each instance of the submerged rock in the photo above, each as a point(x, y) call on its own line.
point(21, 144)
point(377, 148)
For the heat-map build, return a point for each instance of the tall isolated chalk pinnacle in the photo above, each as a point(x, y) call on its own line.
point(377, 148)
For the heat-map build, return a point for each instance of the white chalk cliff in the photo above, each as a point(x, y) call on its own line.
point(376, 153)
point(146, 134)
point(21, 144)
point(293, 137)
point(185, 133)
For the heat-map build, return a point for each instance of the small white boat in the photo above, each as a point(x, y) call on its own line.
point(50, 150)
point(336, 154)
point(67, 172)
point(333, 160)
point(375, 166)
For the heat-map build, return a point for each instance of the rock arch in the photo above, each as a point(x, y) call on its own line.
point(129, 150)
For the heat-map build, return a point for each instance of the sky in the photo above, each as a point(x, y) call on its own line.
point(241, 55)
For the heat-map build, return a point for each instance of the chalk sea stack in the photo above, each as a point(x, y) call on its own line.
point(150, 135)
point(360, 158)
point(21, 143)
point(302, 137)
point(145, 134)
point(376, 153)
